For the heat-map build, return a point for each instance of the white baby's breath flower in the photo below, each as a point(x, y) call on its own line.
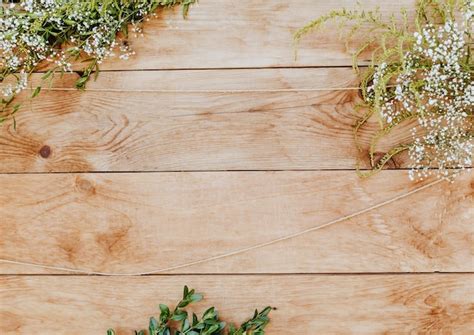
point(443, 105)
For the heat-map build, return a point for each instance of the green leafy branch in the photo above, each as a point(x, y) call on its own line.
point(178, 322)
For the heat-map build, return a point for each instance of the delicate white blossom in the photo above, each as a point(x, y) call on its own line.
point(22, 46)
point(437, 90)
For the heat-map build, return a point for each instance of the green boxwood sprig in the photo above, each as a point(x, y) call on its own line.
point(179, 322)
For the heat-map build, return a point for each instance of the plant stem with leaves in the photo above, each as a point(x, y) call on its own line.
point(178, 322)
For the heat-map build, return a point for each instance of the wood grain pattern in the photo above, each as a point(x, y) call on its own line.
point(250, 129)
point(374, 304)
point(220, 99)
point(147, 221)
point(236, 34)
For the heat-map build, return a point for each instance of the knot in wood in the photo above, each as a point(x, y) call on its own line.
point(85, 186)
point(45, 151)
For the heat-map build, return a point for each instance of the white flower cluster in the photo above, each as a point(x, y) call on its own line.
point(23, 45)
point(437, 89)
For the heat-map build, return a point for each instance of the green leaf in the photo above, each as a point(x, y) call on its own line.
point(200, 326)
point(179, 315)
point(185, 325)
point(15, 108)
point(222, 325)
point(36, 91)
point(266, 310)
point(183, 303)
point(185, 291)
point(96, 71)
point(164, 309)
point(209, 313)
point(81, 82)
point(153, 326)
point(47, 74)
point(110, 332)
point(212, 329)
point(196, 297)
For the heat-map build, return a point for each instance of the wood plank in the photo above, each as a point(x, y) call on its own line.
point(239, 120)
point(236, 34)
point(142, 222)
point(380, 304)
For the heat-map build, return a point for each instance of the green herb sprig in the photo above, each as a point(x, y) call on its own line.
point(178, 322)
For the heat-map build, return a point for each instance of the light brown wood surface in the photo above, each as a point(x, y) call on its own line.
point(211, 139)
point(317, 304)
point(236, 34)
point(140, 222)
point(211, 120)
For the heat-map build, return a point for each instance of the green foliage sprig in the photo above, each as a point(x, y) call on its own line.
point(177, 321)
point(57, 33)
point(421, 69)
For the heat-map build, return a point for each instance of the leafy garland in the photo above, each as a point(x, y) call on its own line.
point(176, 322)
point(57, 33)
point(421, 69)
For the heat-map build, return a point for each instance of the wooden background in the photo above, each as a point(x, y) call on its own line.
point(207, 141)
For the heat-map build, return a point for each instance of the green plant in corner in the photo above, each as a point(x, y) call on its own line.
point(57, 33)
point(178, 322)
point(421, 70)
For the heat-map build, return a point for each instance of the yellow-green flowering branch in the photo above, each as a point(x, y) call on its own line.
point(421, 68)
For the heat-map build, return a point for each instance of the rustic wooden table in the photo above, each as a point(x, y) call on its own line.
point(211, 139)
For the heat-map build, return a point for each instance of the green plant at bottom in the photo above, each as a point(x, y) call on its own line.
point(177, 321)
